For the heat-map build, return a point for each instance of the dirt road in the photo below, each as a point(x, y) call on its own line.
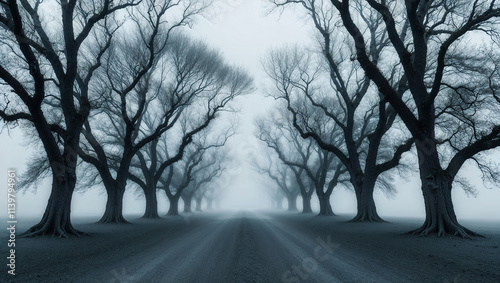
point(254, 247)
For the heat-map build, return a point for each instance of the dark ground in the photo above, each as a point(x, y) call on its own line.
point(256, 247)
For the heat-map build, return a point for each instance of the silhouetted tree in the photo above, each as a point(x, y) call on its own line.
point(319, 165)
point(48, 65)
point(137, 82)
point(202, 157)
point(198, 198)
point(211, 194)
point(210, 169)
point(452, 106)
point(277, 196)
point(284, 178)
point(333, 83)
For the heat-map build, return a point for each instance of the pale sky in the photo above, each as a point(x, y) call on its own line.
point(244, 34)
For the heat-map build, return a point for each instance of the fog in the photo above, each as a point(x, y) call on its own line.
point(244, 32)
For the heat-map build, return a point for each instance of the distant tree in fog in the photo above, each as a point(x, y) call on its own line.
point(284, 178)
point(142, 76)
point(306, 159)
point(276, 194)
point(211, 193)
point(204, 160)
point(211, 169)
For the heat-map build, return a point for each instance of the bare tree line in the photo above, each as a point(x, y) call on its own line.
point(389, 76)
point(104, 83)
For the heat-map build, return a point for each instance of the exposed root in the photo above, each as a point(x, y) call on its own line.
point(367, 218)
point(35, 231)
point(113, 220)
point(442, 230)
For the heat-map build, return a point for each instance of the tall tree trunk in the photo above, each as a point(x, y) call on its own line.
point(151, 203)
point(114, 205)
point(325, 208)
point(366, 209)
point(173, 210)
point(292, 202)
point(56, 220)
point(187, 203)
point(440, 215)
point(306, 204)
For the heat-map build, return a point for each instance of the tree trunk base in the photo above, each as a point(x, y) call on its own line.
point(45, 228)
point(57, 232)
point(151, 211)
point(173, 210)
point(113, 219)
point(367, 217)
point(325, 208)
point(443, 228)
point(114, 207)
point(326, 214)
point(56, 220)
point(306, 205)
point(440, 214)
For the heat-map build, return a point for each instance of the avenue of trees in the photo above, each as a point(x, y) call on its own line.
point(104, 82)
point(389, 76)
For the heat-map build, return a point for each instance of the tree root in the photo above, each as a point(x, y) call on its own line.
point(113, 221)
point(34, 232)
point(452, 229)
point(367, 218)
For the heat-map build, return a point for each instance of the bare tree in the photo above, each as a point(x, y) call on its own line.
point(206, 174)
point(152, 160)
point(203, 161)
point(277, 197)
point(135, 87)
point(210, 169)
point(198, 198)
point(284, 178)
point(211, 193)
point(304, 156)
point(276, 194)
point(452, 105)
point(333, 83)
point(48, 65)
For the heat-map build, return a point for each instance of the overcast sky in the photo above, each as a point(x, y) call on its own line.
point(243, 32)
